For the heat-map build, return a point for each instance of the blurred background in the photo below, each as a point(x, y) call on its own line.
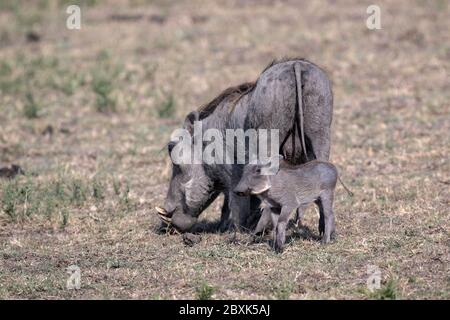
point(86, 114)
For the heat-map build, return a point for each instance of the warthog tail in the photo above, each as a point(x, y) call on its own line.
point(299, 103)
point(350, 193)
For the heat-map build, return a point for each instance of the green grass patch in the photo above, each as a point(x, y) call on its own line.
point(104, 100)
point(204, 291)
point(31, 107)
point(282, 291)
point(167, 108)
point(55, 199)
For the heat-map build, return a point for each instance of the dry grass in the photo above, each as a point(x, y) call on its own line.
point(115, 90)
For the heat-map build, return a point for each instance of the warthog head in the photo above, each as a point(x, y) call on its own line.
point(190, 189)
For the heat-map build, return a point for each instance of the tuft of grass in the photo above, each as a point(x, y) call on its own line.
point(66, 81)
point(30, 108)
point(116, 187)
point(167, 108)
point(282, 291)
point(104, 100)
point(104, 75)
point(387, 292)
point(64, 218)
point(17, 200)
point(125, 201)
point(5, 69)
point(9, 201)
point(22, 197)
point(204, 291)
point(78, 192)
point(98, 192)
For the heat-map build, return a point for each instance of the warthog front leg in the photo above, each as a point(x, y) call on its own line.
point(239, 209)
point(280, 229)
point(225, 221)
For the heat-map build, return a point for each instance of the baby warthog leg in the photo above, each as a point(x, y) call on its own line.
point(327, 203)
point(280, 229)
point(264, 221)
point(321, 217)
point(299, 216)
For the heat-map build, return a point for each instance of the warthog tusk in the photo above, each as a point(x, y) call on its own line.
point(165, 219)
point(260, 191)
point(161, 211)
point(174, 231)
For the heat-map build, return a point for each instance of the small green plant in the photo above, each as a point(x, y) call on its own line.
point(68, 86)
point(64, 217)
point(66, 81)
point(5, 69)
point(97, 190)
point(167, 108)
point(125, 200)
point(30, 108)
point(55, 198)
point(205, 292)
point(9, 201)
point(58, 190)
point(116, 187)
point(23, 197)
point(49, 208)
point(386, 292)
point(103, 89)
point(17, 201)
point(282, 291)
point(78, 195)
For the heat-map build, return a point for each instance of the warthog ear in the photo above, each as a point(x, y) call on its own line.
point(268, 168)
point(189, 121)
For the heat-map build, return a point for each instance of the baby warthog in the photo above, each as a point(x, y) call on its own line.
point(291, 189)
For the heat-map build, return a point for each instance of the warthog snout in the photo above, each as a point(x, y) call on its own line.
point(180, 221)
point(169, 208)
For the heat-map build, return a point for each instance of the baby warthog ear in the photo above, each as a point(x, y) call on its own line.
point(272, 166)
point(266, 171)
point(189, 121)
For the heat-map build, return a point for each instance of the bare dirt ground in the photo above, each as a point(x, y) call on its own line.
point(87, 112)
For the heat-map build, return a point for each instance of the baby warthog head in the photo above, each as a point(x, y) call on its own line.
point(255, 180)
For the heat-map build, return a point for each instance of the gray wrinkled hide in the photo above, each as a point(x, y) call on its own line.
point(270, 105)
point(290, 190)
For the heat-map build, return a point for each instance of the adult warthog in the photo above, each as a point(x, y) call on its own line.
point(293, 96)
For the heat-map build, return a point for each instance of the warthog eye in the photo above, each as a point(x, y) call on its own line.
point(170, 146)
